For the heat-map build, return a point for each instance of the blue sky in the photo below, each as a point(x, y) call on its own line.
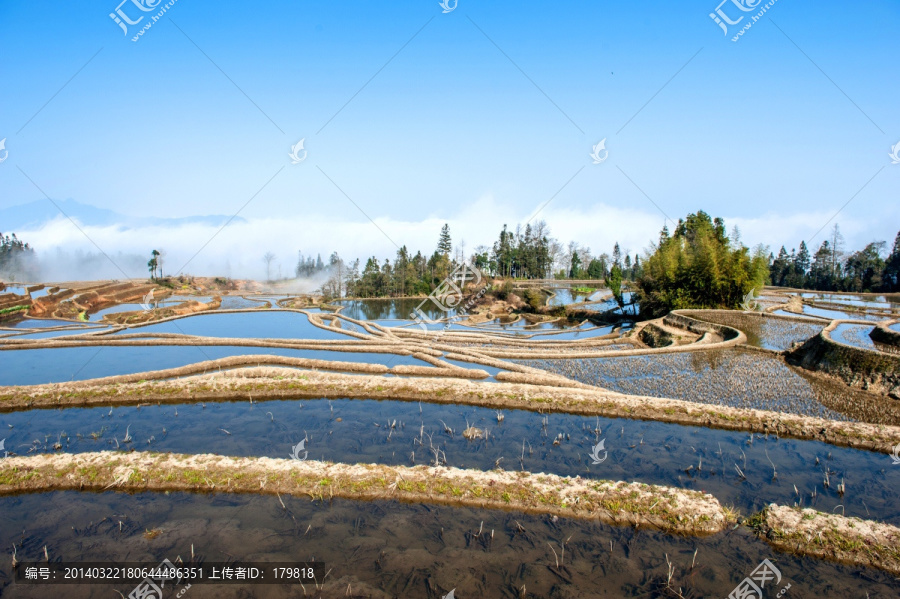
point(482, 115)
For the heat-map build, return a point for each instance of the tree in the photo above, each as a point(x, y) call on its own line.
point(890, 277)
point(801, 266)
point(697, 268)
point(596, 269)
point(614, 282)
point(575, 268)
point(735, 237)
point(336, 269)
point(837, 247)
point(153, 264)
point(445, 245)
point(864, 268)
point(267, 258)
point(820, 270)
point(16, 258)
point(159, 259)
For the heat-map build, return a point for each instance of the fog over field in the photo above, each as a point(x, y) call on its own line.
point(237, 246)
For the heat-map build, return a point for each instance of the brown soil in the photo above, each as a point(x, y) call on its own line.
point(146, 316)
point(72, 301)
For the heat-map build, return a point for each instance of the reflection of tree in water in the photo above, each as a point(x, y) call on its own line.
point(385, 309)
point(706, 360)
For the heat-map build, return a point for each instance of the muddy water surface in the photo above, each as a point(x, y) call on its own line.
point(386, 549)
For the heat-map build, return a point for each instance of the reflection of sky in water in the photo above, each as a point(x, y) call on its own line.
point(853, 334)
point(37, 366)
point(649, 452)
point(258, 325)
point(879, 301)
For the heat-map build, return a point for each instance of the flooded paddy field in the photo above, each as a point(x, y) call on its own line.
point(387, 549)
point(832, 314)
point(764, 331)
point(729, 377)
point(236, 302)
point(382, 548)
point(854, 334)
point(879, 302)
point(54, 332)
point(254, 324)
point(783, 471)
point(38, 366)
point(381, 309)
point(564, 296)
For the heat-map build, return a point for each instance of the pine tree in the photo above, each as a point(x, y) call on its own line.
point(445, 245)
point(575, 269)
point(890, 277)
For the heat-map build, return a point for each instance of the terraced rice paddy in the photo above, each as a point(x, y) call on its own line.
point(38, 366)
point(729, 378)
point(564, 296)
point(855, 335)
point(256, 324)
point(777, 334)
point(880, 302)
point(380, 309)
point(384, 548)
point(403, 433)
point(236, 302)
point(380, 547)
point(833, 314)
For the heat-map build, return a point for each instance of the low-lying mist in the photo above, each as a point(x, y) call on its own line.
point(67, 252)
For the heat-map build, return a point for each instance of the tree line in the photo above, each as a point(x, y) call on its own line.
point(833, 269)
point(17, 258)
point(695, 266)
point(526, 253)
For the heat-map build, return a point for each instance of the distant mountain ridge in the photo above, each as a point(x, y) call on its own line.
point(33, 215)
